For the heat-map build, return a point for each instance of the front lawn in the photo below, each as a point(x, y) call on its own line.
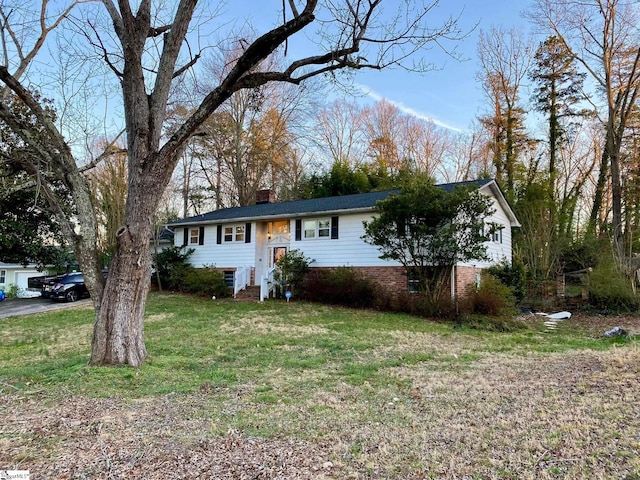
point(304, 391)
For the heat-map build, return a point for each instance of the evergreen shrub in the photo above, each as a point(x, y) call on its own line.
point(341, 286)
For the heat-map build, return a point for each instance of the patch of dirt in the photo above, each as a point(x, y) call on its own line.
point(597, 325)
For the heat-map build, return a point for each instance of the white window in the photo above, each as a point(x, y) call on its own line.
point(228, 234)
point(497, 236)
point(234, 233)
point(280, 227)
point(413, 281)
point(3, 276)
point(309, 229)
point(239, 233)
point(194, 236)
point(324, 227)
point(320, 228)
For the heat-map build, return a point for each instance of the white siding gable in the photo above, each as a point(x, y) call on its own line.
point(498, 249)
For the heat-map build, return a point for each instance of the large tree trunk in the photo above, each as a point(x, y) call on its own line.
point(118, 334)
point(601, 186)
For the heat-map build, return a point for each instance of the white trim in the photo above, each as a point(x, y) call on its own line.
point(497, 193)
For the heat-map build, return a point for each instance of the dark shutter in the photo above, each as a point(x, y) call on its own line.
point(201, 236)
point(185, 238)
point(247, 233)
point(334, 228)
point(219, 239)
point(402, 228)
point(298, 230)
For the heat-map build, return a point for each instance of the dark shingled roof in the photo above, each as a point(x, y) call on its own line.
point(299, 208)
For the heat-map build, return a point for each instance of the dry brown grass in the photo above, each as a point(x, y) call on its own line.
point(571, 415)
point(513, 414)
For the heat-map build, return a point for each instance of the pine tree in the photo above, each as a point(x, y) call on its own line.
point(558, 92)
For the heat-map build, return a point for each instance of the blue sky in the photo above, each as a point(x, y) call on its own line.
point(450, 96)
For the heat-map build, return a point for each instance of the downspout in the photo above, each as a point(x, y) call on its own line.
point(454, 293)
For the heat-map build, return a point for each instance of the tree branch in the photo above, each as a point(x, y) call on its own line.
point(14, 85)
point(260, 49)
point(108, 151)
point(25, 60)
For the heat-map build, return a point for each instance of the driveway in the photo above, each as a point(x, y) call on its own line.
point(26, 306)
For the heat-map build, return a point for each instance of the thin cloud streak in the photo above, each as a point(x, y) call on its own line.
point(403, 108)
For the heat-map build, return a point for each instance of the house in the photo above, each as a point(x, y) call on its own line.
point(17, 274)
point(161, 240)
point(246, 242)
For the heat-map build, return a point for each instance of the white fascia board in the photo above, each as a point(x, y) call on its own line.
point(275, 217)
point(497, 193)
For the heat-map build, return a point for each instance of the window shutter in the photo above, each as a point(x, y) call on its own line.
point(402, 228)
point(219, 239)
point(247, 233)
point(334, 228)
point(298, 230)
point(201, 236)
point(185, 238)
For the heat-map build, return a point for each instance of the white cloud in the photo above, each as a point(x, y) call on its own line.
point(403, 108)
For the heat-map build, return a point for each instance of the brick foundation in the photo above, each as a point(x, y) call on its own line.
point(466, 281)
point(393, 280)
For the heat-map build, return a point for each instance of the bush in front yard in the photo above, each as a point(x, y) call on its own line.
point(292, 270)
point(512, 275)
point(205, 282)
point(340, 286)
point(493, 298)
point(610, 290)
point(172, 264)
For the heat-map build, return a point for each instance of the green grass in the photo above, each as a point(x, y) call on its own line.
point(193, 341)
point(351, 379)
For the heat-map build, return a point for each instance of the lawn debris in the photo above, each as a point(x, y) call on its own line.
point(616, 332)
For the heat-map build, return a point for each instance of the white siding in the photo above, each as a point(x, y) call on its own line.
point(497, 251)
point(351, 250)
point(347, 250)
point(17, 275)
point(224, 255)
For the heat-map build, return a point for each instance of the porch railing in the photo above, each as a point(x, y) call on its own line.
point(242, 279)
point(267, 284)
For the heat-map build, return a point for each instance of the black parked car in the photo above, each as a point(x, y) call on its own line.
point(70, 288)
point(44, 283)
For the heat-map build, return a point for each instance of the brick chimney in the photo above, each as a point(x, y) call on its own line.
point(265, 196)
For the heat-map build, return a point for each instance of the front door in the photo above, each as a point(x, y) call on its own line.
point(278, 252)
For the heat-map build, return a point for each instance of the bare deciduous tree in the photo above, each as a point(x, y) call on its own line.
point(339, 130)
point(146, 59)
point(505, 57)
point(108, 183)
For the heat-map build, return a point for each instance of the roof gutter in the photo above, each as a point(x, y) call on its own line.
point(274, 217)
